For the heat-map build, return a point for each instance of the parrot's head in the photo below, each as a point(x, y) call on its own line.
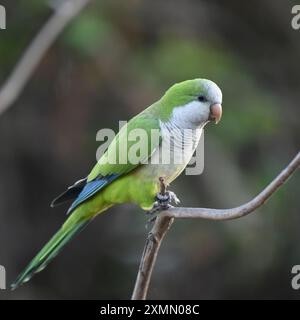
point(192, 103)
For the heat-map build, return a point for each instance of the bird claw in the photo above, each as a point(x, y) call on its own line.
point(173, 197)
point(158, 207)
point(163, 202)
point(167, 198)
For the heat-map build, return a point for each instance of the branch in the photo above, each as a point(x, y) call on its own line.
point(36, 50)
point(164, 221)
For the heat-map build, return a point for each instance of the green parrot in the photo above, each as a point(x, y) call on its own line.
point(188, 105)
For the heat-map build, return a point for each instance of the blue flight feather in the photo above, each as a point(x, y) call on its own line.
point(91, 188)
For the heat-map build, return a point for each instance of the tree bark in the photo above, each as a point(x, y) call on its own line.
point(165, 219)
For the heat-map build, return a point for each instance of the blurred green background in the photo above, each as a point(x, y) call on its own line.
point(114, 59)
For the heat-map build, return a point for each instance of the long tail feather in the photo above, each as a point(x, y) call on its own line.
point(50, 250)
point(70, 194)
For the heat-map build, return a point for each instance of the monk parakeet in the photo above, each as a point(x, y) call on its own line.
point(188, 105)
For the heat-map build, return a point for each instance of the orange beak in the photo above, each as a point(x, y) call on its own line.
point(215, 112)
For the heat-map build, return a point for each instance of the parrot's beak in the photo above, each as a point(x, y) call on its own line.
point(215, 112)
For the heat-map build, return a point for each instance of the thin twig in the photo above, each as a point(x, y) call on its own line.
point(41, 43)
point(165, 219)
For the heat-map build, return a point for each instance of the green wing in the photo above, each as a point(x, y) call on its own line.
point(134, 144)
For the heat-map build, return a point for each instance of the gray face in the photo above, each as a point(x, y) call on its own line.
point(204, 107)
point(210, 93)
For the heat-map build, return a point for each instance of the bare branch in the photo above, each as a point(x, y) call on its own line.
point(36, 50)
point(152, 246)
point(165, 220)
point(243, 210)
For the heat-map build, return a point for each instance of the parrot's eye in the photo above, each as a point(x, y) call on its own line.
point(202, 99)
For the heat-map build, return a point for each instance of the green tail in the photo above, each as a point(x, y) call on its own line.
point(50, 251)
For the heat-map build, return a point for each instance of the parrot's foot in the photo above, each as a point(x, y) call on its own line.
point(171, 197)
point(163, 199)
point(163, 202)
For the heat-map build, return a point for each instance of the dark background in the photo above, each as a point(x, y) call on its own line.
point(116, 58)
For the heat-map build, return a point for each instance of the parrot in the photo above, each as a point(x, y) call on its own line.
point(187, 105)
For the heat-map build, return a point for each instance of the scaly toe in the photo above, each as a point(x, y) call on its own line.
point(162, 198)
point(173, 197)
